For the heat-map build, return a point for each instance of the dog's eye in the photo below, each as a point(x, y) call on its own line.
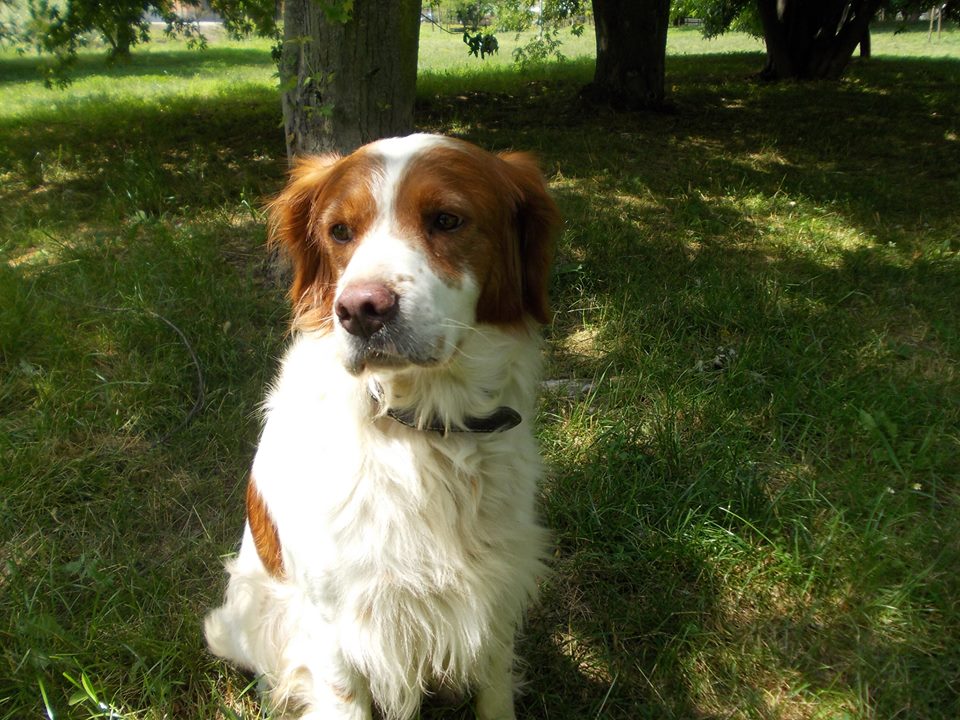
point(446, 222)
point(341, 233)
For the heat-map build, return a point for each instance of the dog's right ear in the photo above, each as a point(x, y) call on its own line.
point(291, 230)
point(538, 221)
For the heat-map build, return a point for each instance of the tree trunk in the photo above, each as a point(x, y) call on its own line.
point(813, 39)
point(347, 82)
point(631, 50)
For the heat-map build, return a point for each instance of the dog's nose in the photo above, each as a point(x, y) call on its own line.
point(364, 308)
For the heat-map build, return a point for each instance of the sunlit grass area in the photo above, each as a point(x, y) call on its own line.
point(755, 500)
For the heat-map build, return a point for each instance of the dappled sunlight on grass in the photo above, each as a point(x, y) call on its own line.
point(583, 656)
point(817, 282)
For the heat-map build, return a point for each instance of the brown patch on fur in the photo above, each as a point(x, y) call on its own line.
point(365, 614)
point(342, 694)
point(264, 530)
point(323, 191)
point(509, 224)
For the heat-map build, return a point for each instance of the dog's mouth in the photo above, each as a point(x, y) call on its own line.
point(390, 348)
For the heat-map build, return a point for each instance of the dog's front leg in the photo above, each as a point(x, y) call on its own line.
point(319, 681)
point(495, 696)
point(334, 701)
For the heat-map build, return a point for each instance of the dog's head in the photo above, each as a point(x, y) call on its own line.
point(405, 245)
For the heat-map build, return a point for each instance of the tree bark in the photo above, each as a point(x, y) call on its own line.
point(813, 39)
point(631, 52)
point(346, 83)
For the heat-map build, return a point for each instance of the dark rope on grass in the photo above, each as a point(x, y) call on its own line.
point(201, 393)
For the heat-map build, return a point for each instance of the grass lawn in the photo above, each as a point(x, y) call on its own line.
point(756, 508)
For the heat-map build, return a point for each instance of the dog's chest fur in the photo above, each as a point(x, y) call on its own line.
point(397, 535)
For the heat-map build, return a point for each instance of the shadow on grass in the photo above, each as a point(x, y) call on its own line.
point(96, 160)
point(841, 515)
point(178, 63)
point(822, 460)
point(95, 418)
point(863, 142)
point(734, 532)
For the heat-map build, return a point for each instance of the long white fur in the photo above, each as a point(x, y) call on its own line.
point(409, 556)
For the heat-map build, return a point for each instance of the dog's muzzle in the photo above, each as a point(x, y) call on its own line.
point(377, 334)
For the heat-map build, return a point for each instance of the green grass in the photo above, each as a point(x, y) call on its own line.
point(755, 509)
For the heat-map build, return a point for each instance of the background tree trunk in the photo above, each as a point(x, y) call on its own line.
point(813, 39)
point(631, 51)
point(347, 82)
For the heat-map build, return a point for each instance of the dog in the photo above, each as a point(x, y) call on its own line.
point(392, 540)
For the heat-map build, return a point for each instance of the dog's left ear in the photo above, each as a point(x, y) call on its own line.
point(538, 221)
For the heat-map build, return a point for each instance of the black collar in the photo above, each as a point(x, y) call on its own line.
point(502, 419)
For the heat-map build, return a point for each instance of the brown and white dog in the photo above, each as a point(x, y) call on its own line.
point(392, 541)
